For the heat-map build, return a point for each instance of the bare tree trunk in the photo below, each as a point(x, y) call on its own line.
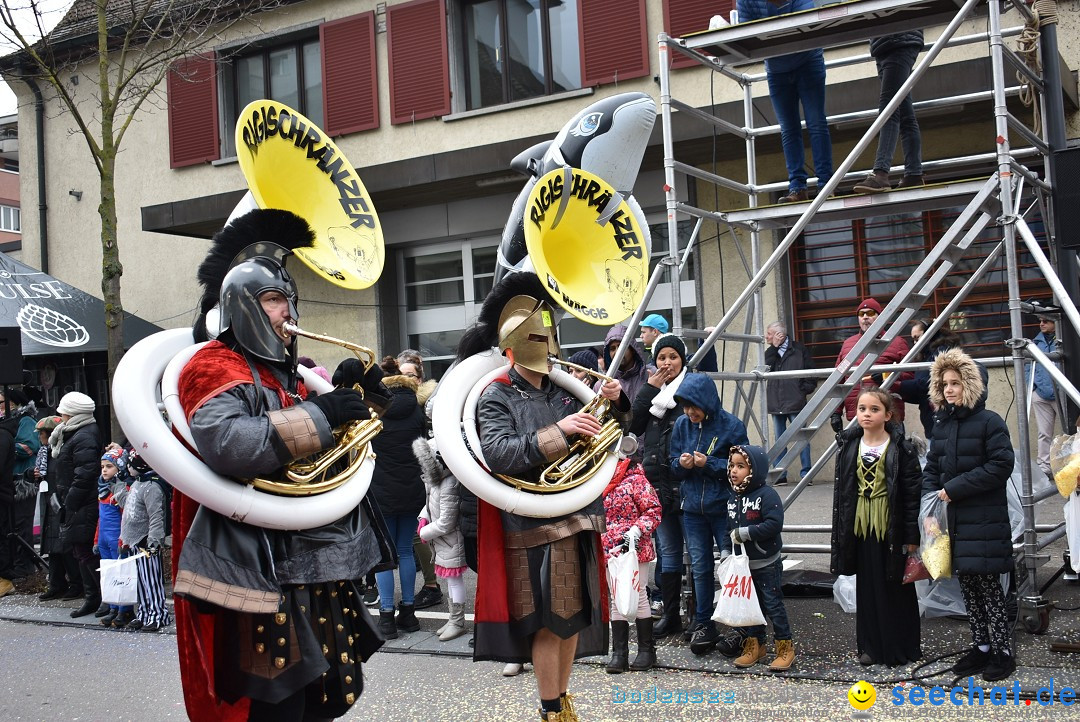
point(111, 269)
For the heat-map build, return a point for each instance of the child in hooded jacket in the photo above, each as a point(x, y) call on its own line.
point(756, 517)
point(631, 512)
point(968, 467)
point(113, 479)
point(142, 528)
point(440, 527)
point(698, 453)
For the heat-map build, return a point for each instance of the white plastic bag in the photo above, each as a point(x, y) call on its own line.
point(624, 578)
point(738, 604)
point(120, 580)
point(843, 593)
point(1072, 530)
point(940, 598)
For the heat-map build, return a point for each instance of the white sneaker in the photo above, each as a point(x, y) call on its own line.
point(512, 669)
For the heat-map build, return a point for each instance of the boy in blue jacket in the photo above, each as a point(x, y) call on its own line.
point(756, 515)
point(698, 453)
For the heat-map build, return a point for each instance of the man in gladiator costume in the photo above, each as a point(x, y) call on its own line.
point(541, 595)
point(270, 625)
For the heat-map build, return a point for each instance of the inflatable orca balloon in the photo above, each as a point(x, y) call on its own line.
point(607, 139)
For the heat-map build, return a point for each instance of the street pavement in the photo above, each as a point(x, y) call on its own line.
point(56, 668)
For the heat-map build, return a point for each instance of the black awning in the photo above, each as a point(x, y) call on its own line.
point(55, 317)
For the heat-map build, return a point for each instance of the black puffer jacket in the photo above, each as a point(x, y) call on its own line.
point(78, 466)
point(903, 479)
point(396, 483)
point(971, 457)
point(880, 47)
point(654, 434)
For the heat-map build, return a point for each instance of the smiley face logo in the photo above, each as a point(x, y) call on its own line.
point(862, 695)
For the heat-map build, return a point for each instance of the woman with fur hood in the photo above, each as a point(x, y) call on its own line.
point(439, 527)
point(968, 466)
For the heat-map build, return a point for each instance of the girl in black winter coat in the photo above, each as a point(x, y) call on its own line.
point(969, 463)
point(875, 525)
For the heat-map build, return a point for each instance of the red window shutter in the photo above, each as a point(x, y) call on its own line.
point(350, 82)
point(193, 112)
point(419, 70)
point(614, 44)
point(682, 17)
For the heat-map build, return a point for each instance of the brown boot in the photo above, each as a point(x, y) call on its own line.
point(785, 655)
point(876, 182)
point(753, 652)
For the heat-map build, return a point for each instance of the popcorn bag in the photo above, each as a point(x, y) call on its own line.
point(1065, 462)
point(935, 550)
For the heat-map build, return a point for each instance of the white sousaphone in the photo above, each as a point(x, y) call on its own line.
point(289, 164)
point(590, 248)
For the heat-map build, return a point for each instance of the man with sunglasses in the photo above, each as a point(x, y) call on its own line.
point(867, 313)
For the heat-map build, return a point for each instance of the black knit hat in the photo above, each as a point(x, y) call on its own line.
point(585, 357)
point(669, 340)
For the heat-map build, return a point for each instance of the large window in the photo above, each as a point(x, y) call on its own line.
point(518, 49)
point(444, 285)
point(10, 219)
point(290, 73)
point(836, 264)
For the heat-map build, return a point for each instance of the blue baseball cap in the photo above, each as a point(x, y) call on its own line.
point(655, 320)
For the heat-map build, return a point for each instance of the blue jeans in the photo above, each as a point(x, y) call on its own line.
point(669, 535)
point(894, 70)
point(787, 90)
point(770, 596)
point(401, 528)
point(701, 532)
point(780, 422)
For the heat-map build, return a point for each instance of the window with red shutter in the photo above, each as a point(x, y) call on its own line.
point(193, 114)
point(682, 17)
point(614, 43)
point(418, 66)
point(350, 81)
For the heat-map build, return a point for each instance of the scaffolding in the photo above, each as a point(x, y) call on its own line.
point(993, 201)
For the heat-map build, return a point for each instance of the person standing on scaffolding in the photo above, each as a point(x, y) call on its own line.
point(895, 56)
point(794, 79)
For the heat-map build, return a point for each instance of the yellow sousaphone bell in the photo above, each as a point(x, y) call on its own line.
point(291, 164)
point(588, 244)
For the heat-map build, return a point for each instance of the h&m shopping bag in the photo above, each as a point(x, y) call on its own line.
point(738, 604)
point(120, 580)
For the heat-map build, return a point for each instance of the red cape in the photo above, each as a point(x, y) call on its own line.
point(491, 588)
point(211, 371)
